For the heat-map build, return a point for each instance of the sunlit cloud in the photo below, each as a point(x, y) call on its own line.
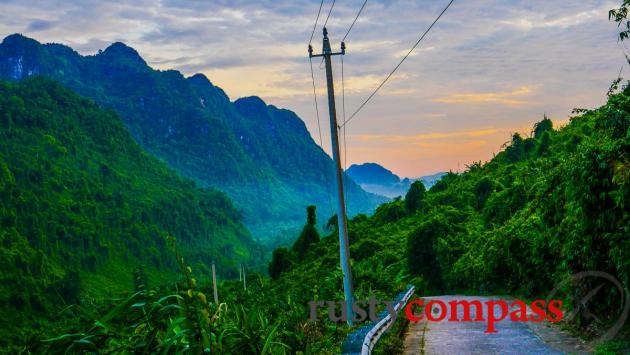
point(424, 136)
point(539, 20)
point(510, 98)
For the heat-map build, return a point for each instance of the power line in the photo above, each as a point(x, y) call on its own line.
point(329, 12)
point(325, 23)
point(397, 66)
point(355, 20)
point(316, 20)
point(319, 127)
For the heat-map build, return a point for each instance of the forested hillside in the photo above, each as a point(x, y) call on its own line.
point(85, 213)
point(549, 205)
point(261, 156)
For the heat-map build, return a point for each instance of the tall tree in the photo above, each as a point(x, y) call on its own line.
point(414, 199)
point(309, 235)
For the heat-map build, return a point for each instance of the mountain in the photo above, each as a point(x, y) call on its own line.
point(85, 211)
point(376, 179)
point(372, 173)
point(262, 156)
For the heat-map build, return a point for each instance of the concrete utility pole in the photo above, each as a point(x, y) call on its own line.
point(244, 277)
point(341, 205)
point(214, 284)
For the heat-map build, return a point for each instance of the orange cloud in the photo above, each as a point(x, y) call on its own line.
point(509, 98)
point(414, 138)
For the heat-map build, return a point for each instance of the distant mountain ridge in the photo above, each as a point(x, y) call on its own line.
point(376, 179)
point(263, 157)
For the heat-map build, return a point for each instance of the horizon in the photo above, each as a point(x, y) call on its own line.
point(456, 100)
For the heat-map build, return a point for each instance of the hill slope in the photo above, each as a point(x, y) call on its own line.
point(261, 156)
point(547, 207)
point(82, 206)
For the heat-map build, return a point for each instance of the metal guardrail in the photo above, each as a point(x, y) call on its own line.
point(363, 340)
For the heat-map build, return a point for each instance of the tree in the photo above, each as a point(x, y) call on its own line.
point(421, 255)
point(483, 189)
point(545, 142)
point(309, 235)
point(281, 261)
point(516, 150)
point(620, 16)
point(414, 200)
point(543, 126)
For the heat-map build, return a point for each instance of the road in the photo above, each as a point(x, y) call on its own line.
point(445, 337)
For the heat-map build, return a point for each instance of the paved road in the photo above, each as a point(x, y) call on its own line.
point(469, 337)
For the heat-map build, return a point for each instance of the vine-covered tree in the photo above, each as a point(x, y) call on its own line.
point(281, 261)
point(543, 126)
point(309, 235)
point(414, 199)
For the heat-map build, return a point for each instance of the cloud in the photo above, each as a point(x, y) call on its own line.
point(486, 63)
point(510, 98)
point(540, 21)
point(425, 136)
point(40, 25)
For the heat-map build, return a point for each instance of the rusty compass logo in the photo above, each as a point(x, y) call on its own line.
point(583, 299)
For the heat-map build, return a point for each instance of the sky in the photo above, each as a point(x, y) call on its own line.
point(488, 69)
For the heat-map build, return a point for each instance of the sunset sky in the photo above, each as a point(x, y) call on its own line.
point(487, 69)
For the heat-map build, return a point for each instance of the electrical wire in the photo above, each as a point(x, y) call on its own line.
point(325, 23)
point(397, 66)
point(355, 20)
point(329, 12)
point(316, 20)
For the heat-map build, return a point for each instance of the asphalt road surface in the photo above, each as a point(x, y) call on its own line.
point(426, 337)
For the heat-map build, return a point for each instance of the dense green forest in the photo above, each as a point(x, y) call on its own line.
point(549, 205)
point(262, 156)
point(86, 214)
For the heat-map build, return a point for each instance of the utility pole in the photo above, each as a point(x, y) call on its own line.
point(244, 277)
point(214, 284)
point(341, 205)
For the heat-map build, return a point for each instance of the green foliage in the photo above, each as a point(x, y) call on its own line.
point(414, 199)
point(516, 150)
point(281, 261)
point(613, 347)
point(545, 143)
point(263, 157)
point(544, 208)
point(543, 126)
point(390, 212)
point(620, 16)
point(309, 235)
point(483, 189)
point(82, 206)
point(490, 229)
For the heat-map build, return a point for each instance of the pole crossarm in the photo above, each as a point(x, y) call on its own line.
point(326, 50)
